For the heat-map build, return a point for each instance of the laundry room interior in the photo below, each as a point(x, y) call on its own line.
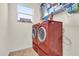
point(39, 29)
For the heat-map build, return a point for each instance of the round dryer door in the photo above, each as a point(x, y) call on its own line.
point(42, 34)
point(33, 33)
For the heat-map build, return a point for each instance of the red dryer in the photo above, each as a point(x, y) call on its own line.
point(34, 36)
point(50, 39)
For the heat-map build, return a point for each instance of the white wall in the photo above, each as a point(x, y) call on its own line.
point(15, 35)
point(3, 29)
point(20, 34)
point(71, 27)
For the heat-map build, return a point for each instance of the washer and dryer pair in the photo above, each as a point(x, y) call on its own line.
point(47, 38)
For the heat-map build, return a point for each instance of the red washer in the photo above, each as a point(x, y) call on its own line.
point(50, 38)
point(34, 36)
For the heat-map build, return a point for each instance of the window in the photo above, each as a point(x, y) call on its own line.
point(24, 14)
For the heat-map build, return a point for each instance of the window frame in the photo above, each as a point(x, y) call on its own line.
point(26, 14)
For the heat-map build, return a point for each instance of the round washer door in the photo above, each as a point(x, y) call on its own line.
point(33, 33)
point(42, 34)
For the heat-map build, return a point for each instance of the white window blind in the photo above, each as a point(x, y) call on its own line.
point(24, 14)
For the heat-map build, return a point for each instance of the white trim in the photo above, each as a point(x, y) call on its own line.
point(44, 36)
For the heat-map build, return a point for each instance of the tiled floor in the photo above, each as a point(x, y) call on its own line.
point(24, 52)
